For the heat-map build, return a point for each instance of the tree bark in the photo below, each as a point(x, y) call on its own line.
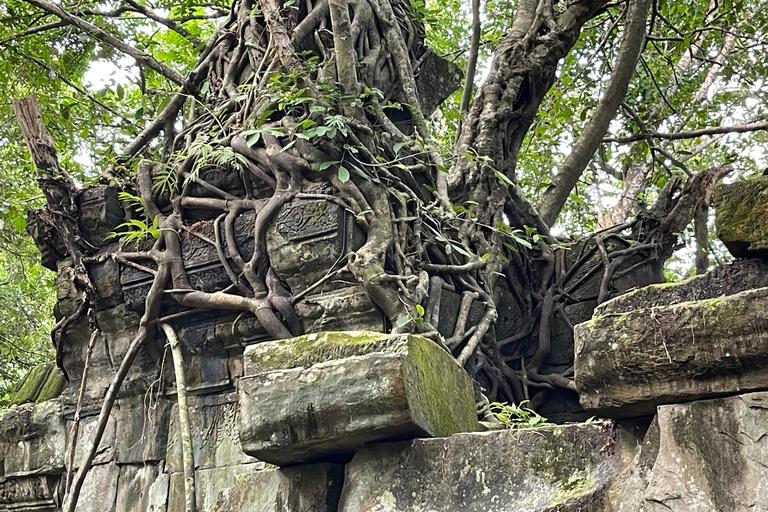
point(555, 196)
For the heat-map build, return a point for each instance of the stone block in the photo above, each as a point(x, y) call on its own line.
point(322, 396)
point(106, 279)
point(708, 455)
point(309, 488)
point(32, 439)
point(741, 216)
point(629, 362)
point(141, 488)
point(99, 492)
point(106, 450)
point(36, 493)
point(555, 468)
point(100, 212)
point(141, 425)
point(43, 382)
point(214, 434)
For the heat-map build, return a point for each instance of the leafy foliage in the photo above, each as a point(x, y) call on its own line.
point(518, 416)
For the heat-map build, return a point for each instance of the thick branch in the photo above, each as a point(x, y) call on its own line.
point(554, 198)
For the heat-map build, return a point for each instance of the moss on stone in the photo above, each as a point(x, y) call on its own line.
point(54, 385)
point(742, 216)
point(304, 351)
point(29, 388)
point(430, 375)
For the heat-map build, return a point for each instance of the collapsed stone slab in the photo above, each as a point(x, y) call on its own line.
point(708, 455)
point(742, 216)
point(628, 362)
point(565, 468)
point(322, 396)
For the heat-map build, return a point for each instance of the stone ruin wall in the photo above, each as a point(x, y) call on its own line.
point(360, 422)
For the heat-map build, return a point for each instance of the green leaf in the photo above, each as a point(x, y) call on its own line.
point(329, 163)
point(402, 320)
point(343, 174)
point(420, 309)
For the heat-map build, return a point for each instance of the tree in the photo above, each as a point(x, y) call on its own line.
point(321, 100)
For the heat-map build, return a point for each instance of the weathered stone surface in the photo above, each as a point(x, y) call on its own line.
point(259, 487)
point(106, 451)
point(29, 493)
point(628, 363)
point(555, 468)
point(321, 396)
point(214, 434)
point(32, 439)
point(99, 492)
point(100, 212)
point(141, 488)
point(437, 79)
point(310, 488)
point(709, 455)
point(41, 383)
point(742, 216)
point(737, 276)
point(141, 429)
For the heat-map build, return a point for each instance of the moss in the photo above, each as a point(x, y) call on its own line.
point(430, 375)
point(30, 387)
point(742, 215)
point(304, 351)
point(54, 385)
point(575, 487)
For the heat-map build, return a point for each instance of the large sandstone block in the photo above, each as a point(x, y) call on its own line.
point(555, 468)
point(630, 361)
point(742, 216)
point(709, 455)
point(322, 396)
point(32, 440)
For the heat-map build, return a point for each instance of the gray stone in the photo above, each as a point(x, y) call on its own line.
point(742, 216)
point(627, 363)
point(32, 439)
point(709, 455)
point(309, 488)
point(140, 488)
point(29, 493)
point(214, 434)
point(100, 212)
point(555, 468)
point(321, 396)
point(99, 492)
point(307, 238)
point(106, 279)
point(208, 484)
point(437, 79)
point(142, 429)
point(106, 450)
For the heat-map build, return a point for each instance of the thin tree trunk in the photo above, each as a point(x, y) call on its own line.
point(187, 451)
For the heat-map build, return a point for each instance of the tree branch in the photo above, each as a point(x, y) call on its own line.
point(555, 196)
point(99, 34)
point(714, 130)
